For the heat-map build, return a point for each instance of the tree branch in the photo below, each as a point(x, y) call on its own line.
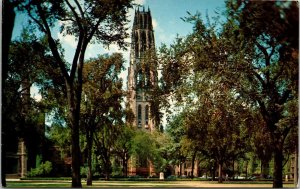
point(37, 22)
point(52, 44)
point(80, 9)
point(284, 96)
point(80, 41)
point(263, 110)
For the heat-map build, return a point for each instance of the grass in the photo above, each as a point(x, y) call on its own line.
point(45, 178)
point(126, 184)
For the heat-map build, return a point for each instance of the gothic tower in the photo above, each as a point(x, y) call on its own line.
point(142, 77)
point(142, 72)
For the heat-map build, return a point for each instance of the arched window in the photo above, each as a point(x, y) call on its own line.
point(136, 46)
point(139, 115)
point(147, 114)
point(140, 79)
point(144, 42)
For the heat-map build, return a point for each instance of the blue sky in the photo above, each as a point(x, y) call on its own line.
point(167, 24)
point(167, 13)
point(166, 16)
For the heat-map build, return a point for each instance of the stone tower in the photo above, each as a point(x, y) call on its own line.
point(142, 77)
point(142, 72)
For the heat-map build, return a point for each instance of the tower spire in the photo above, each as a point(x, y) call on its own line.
point(142, 77)
point(139, 77)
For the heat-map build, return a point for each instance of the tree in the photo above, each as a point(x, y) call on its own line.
point(148, 147)
point(102, 96)
point(216, 123)
point(270, 56)
point(254, 53)
point(8, 21)
point(123, 146)
point(23, 116)
point(89, 22)
point(258, 133)
point(176, 132)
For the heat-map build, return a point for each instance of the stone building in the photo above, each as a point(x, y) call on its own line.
point(142, 76)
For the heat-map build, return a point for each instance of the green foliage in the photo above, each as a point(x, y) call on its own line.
point(60, 135)
point(176, 133)
point(88, 21)
point(223, 72)
point(24, 116)
point(38, 161)
point(116, 170)
point(102, 113)
point(44, 169)
point(150, 146)
point(83, 171)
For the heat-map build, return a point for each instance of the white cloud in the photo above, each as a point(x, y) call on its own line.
point(67, 40)
point(167, 39)
point(140, 2)
point(34, 93)
point(154, 23)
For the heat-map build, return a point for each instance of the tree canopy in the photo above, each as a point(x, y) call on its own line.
point(248, 59)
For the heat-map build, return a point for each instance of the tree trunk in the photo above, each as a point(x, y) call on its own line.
point(126, 168)
point(75, 150)
point(3, 161)
point(89, 138)
point(107, 163)
point(220, 180)
point(233, 169)
point(261, 169)
point(125, 164)
point(264, 168)
point(246, 170)
point(107, 169)
point(180, 169)
point(193, 164)
point(213, 173)
point(278, 158)
point(76, 180)
point(7, 21)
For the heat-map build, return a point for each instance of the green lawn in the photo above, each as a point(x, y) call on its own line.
point(143, 184)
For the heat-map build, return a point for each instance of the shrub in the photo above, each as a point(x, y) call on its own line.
point(42, 169)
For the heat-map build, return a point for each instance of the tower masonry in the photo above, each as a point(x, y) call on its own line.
point(142, 71)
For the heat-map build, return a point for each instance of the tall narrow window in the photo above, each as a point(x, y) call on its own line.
point(146, 113)
point(147, 75)
point(139, 115)
point(140, 79)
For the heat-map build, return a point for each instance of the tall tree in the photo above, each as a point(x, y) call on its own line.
point(216, 123)
point(269, 59)
point(103, 93)
point(23, 116)
point(255, 53)
point(8, 19)
point(258, 132)
point(175, 131)
point(123, 146)
point(102, 21)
